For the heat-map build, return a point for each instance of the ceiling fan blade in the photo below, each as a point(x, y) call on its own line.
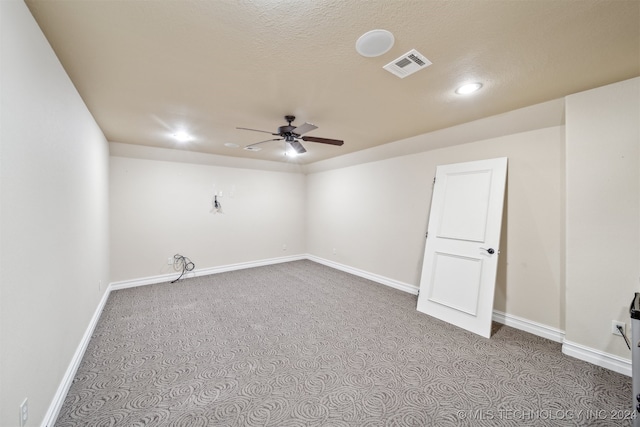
point(298, 147)
point(322, 140)
point(256, 130)
point(304, 128)
point(266, 140)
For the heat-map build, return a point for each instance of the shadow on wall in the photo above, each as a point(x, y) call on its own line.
point(500, 295)
point(424, 233)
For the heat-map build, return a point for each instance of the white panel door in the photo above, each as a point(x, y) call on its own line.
point(461, 254)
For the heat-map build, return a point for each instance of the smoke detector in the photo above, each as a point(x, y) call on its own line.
point(407, 64)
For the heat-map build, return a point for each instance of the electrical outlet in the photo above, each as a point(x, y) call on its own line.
point(334, 251)
point(170, 260)
point(24, 412)
point(284, 247)
point(614, 327)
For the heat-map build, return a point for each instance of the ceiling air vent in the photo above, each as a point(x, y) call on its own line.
point(407, 64)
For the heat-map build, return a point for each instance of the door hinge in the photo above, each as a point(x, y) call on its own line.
point(434, 179)
point(426, 235)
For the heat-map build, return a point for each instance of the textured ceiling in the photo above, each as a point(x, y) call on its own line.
point(147, 69)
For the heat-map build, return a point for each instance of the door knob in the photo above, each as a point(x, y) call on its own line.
point(491, 251)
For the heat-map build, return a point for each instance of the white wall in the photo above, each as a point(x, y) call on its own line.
point(603, 212)
point(160, 208)
point(54, 217)
point(375, 216)
point(54, 225)
point(374, 213)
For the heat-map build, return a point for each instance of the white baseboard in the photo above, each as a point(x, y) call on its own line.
point(163, 278)
point(58, 399)
point(578, 351)
point(366, 275)
point(251, 264)
point(597, 357)
point(530, 326)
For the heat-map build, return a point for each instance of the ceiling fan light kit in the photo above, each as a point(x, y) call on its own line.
point(182, 136)
point(291, 135)
point(291, 153)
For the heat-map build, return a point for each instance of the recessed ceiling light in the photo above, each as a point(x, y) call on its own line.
point(231, 145)
point(182, 136)
point(468, 88)
point(375, 43)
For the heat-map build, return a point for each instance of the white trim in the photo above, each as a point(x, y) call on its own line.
point(151, 280)
point(143, 281)
point(412, 289)
point(530, 326)
point(61, 393)
point(251, 264)
point(526, 325)
point(569, 348)
point(597, 357)
point(119, 149)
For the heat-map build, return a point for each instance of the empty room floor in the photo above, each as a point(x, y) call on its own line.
point(302, 344)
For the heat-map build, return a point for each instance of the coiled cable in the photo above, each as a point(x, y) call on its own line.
point(183, 263)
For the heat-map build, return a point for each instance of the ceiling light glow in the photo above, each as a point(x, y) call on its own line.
point(468, 88)
point(182, 136)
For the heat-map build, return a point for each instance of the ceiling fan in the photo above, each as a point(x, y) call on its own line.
point(291, 134)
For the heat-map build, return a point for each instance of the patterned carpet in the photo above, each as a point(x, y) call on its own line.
point(301, 344)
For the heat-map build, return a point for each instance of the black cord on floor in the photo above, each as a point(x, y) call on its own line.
point(184, 263)
point(624, 336)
